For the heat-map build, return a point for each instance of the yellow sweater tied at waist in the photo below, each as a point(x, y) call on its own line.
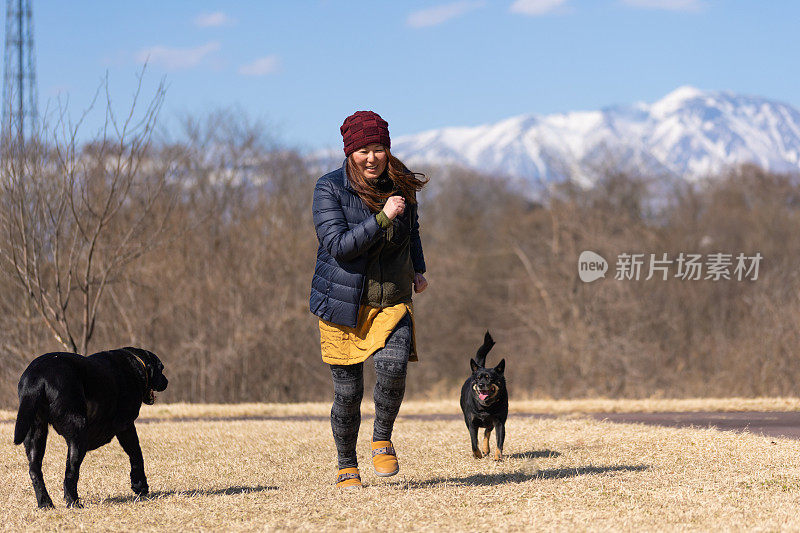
point(342, 345)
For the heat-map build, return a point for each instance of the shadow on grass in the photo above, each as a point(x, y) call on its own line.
point(519, 477)
point(200, 492)
point(534, 454)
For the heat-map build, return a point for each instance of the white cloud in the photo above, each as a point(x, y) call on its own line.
point(176, 58)
point(535, 7)
point(671, 5)
point(261, 66)
point(212, 20)
point(434, 16)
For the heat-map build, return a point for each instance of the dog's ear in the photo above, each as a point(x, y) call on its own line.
point(153, 357)
point(501, 366)
point(473, 365)
point(483, 351)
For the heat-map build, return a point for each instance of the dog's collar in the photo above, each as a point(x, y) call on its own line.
point(144, 367)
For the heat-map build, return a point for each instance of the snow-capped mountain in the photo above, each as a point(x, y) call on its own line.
point(689, 133)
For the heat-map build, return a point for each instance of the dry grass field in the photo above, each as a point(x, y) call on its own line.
point(560, 473)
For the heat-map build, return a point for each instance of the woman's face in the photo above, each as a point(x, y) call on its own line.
point(370, 160)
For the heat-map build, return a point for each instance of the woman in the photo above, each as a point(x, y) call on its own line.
point(369, 257)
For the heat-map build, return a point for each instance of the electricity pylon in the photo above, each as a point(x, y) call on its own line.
point(20, 112)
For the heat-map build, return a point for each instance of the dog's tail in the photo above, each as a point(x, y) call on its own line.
point(28, 405)
point(483, 351)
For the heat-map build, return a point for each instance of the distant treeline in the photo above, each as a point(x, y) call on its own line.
point(203, 249)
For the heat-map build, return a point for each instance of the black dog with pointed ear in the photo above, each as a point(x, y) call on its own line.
point(88, 401)
point(484, 401)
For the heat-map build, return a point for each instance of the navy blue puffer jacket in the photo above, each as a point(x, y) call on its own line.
point(346, 229)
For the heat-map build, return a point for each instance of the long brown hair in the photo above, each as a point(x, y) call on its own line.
point(404, 183)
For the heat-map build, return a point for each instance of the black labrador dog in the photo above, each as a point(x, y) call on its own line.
point(484, 401)
point(88, 401)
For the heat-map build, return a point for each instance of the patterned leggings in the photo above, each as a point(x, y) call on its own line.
point(348, 388)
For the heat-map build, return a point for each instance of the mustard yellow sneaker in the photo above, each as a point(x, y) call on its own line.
point(348, 478)
point(384, 458)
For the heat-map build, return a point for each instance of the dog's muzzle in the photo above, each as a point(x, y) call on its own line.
point(485, 395)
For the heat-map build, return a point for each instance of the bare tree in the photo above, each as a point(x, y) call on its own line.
point(75, 215)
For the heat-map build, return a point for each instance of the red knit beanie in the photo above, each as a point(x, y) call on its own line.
point(363, 128)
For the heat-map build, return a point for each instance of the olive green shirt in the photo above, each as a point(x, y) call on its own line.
point(390, 273)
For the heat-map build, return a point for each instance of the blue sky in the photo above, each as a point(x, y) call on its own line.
point(303, 65)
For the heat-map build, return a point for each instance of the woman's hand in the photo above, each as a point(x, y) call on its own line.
point(395, 205)
point(420, 283)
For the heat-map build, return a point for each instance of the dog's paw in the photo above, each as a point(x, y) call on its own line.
point(74, 504)
point(46, 504)
point(498, 455)
point(140, 488)
point(477, 454)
